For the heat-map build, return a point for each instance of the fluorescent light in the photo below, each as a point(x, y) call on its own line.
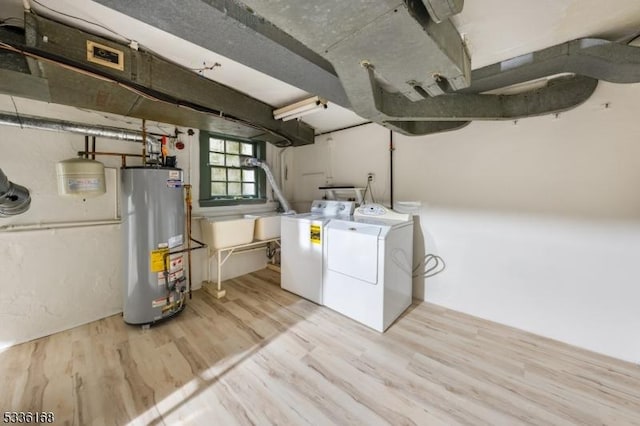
point(298, 109)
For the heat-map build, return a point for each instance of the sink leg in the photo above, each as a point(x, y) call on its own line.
point(219, 292)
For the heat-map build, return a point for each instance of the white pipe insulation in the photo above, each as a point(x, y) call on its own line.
point(254, 162)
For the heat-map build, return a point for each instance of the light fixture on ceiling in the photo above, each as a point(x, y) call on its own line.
point(298, 109)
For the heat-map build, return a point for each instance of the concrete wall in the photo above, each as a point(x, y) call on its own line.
point(538, 220)
point(53, 280)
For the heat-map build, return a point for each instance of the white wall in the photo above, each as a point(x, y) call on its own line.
point(53, 280)
point(538, 220)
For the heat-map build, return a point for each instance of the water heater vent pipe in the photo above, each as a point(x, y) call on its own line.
point(254, 162)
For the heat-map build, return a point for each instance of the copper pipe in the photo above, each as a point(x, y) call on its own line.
point(187, 188)
point(93, 147)
point(108, 153)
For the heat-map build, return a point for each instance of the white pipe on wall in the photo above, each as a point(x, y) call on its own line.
point(58, 225)
point(72, 224)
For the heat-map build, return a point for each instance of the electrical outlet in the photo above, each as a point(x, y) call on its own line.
point(370, 177)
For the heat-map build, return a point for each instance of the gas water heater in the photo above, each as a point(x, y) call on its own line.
point(153, 222)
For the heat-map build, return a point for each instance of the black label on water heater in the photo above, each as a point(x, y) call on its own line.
point(174, 183)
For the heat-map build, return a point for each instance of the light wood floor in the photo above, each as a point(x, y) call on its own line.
point(264, 356)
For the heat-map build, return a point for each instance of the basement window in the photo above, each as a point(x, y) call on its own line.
point(223, 179)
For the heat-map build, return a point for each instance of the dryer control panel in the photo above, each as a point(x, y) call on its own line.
point(379, 211)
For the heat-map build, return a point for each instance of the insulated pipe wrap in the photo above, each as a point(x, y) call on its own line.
point(14, 199)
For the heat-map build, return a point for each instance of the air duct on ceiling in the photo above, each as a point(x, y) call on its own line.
point(137, 83)
point(412, 48)
point(14, 199)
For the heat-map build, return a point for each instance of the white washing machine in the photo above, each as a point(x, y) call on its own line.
point(368, 265)
point(301, 247)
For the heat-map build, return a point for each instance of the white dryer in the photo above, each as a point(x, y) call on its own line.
point(368, 265)
point(301, 247)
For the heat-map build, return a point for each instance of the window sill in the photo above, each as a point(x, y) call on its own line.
point(220, 203)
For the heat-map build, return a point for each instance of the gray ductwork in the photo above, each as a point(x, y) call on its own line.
point(560, 94)
point(254, 162)
point(141, 84)
point(414, 51)
point(29, 122)
point(439, 10)
point(392, 60)
point(402, 63)
point(588, 57)
point(399, 38)
point(14, 199)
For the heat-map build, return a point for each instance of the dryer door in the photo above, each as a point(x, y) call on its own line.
point(352, 249)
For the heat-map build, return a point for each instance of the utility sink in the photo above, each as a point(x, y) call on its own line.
point(267, 225)
point(227, 231)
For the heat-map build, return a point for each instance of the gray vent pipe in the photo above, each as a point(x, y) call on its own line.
point(254, 162)
point(29, 122)
point(14, 199)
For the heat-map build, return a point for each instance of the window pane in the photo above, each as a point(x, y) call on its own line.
point(216, 159)
point(216, 145)
point(233, 161)
point(248, 176)
point(218, 188)
point(234, 189)
point(233, 147)
point(248, 189)
point(218, 173)
point(246, 149)
point(234, 175)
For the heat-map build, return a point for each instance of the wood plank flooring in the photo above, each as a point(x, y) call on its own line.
point(264, 356)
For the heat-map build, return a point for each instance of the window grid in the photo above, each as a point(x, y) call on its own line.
point(229, 180)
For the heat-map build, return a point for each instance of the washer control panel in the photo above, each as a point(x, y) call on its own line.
point(332, 207)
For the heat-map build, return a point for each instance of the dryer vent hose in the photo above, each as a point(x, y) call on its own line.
point(254, 162)
point(14, 199)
